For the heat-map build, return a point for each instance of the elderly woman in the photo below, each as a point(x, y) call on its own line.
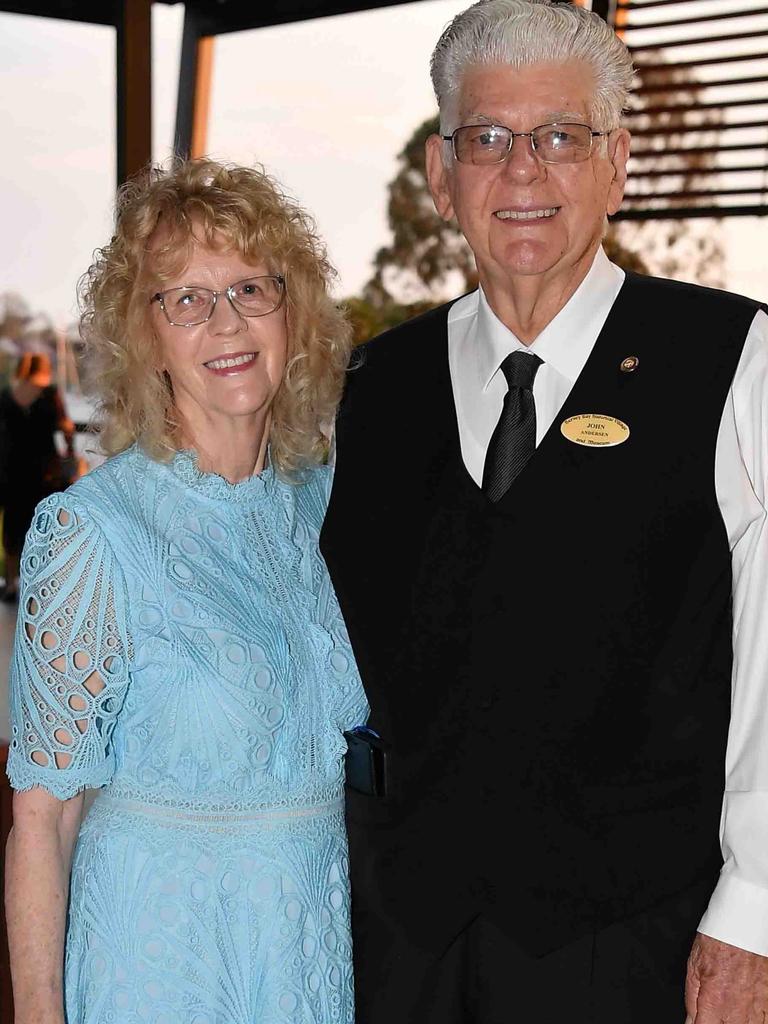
point(179, 645)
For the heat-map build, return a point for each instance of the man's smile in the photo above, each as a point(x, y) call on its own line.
point(540, 213)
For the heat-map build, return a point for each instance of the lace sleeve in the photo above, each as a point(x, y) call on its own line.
point(69, 670)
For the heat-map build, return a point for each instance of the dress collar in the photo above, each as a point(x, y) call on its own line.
point(185, 468)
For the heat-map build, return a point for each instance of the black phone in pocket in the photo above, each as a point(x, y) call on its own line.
point(365, 762)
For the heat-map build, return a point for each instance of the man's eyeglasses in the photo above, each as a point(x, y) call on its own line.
point(558, 143)
point(190, 305)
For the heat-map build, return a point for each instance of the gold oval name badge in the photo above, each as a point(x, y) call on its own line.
point(594, 430)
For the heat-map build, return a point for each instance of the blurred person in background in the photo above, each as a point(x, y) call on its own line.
point(179, 644)
point(31, 466)
point(15, 318)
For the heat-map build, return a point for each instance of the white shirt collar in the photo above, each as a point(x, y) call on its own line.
point(566, 341)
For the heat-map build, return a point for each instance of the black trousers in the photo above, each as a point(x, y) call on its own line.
point(632, 972)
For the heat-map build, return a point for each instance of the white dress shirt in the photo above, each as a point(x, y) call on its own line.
point(477, 344)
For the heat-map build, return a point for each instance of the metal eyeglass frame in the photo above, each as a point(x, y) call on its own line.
point(524, 135)
point(160, 297)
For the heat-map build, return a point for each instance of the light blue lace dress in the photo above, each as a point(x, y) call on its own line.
point(179, 645)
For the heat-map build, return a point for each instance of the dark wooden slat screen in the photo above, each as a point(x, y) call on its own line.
point(686, 114)
point(700, 19)
point(634, 5)
point(711, 83)
point(700, 62)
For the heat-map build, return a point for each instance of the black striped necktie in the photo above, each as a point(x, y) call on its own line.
point(514, 439)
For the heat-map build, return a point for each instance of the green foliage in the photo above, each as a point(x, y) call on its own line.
point(370, 317)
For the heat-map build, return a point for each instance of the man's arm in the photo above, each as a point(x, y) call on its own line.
point(728, 967)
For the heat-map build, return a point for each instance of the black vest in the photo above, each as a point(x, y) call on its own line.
point(552, 673)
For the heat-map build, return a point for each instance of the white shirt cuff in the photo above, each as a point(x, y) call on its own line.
point(738, 914)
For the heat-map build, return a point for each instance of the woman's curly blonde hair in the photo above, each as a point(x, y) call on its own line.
point(209, 202)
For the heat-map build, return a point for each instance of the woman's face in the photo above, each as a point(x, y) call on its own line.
point(231, 366)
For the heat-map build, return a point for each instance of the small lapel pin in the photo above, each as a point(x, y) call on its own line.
point(629, 364)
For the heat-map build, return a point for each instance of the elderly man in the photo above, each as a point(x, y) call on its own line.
point(547, 531)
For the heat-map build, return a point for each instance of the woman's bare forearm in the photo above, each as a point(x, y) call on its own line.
point(38, 861)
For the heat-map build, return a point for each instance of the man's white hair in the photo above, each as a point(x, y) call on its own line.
point(519, 33)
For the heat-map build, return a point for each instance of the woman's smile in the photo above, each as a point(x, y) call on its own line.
point(231, 363)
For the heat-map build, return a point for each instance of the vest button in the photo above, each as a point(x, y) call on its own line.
point(628, 364)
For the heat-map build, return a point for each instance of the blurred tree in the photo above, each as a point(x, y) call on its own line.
point(370, 316)
point(427, 260)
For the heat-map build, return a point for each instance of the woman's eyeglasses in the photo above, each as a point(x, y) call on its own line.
point(189, 305)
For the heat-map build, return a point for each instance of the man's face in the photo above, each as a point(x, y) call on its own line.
point(490, 201)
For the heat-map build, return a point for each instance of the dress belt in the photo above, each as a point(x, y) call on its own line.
point(174, 813)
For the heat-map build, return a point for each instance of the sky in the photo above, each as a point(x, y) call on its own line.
point(325, 105)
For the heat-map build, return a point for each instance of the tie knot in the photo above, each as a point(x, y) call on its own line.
point(520, 368)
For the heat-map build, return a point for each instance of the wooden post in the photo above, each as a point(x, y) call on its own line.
point(193, 103)
point(202, 102)
point(134, 87)
point(605, 8)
